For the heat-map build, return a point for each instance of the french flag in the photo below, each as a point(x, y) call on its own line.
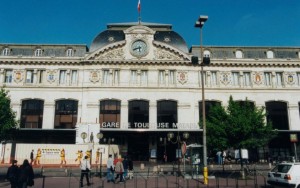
point(139, 6)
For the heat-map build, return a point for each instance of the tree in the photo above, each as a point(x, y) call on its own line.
point(240, 125)
point(7, 116)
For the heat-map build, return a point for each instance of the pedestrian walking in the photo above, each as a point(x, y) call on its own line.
point(13, 174)
point(85, 167)
point(119, 168)
point(110, 169)
point(219, 156)
point(125, 165)
point(130, 168)
point(31, 157)
point(26, 175)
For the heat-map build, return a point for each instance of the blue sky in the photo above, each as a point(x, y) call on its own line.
point(230, 23)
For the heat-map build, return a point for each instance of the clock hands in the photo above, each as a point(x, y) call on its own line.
point(137, 48)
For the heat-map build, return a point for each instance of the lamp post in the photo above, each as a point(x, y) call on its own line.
point(170, 136)
point(204, 61)
point(100, 136)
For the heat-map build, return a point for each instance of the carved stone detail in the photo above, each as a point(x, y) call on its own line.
point(290, 78)
point(18, 75)
point(182, 77)
point(258, 78)
point(51, 76)
point(165, 55)
point(225, 78)
point(112, 54)
point(94, 76)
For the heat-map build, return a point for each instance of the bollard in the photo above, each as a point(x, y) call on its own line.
point(270, 165)
point(142, 166)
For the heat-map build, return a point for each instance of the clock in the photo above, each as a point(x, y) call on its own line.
point(139, 48)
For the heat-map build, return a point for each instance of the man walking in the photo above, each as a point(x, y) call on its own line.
point(31, 157)
point(110, 169)
point(13, 174)
point(85, 167)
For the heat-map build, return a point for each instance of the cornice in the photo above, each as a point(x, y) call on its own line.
point(255, 62)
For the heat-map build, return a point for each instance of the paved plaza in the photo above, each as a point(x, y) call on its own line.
point(151, 176)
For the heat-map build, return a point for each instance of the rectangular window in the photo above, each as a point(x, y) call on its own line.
point(74, 77)
point(29, 76)
point(116, 77)
point(204, 77)
point(41, 76)
point(70, 52)
point(144, 77)
point(38, 52)
point(105, 77)
point(161, 77)
point(247, 79)
point(298, 78)
point(172, 79)
point(235, 79)
point(62, 76)
point(133, 77)
point(214, 79)
point(8, 76)
point(268, 79)
point(279, 79)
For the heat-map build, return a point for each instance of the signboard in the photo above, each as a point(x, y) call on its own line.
point(87, 133)
point(293, 138)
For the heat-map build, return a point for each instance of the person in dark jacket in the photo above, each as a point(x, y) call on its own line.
point(13, 174)
point(125, 165)
point(26, 175)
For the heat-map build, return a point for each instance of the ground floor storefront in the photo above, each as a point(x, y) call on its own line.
point(159, 146)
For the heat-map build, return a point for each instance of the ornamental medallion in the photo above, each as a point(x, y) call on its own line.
point(18, 76)
point(257, 78)
point(182, 77)
point(94, 76)
point(51, 76)
point(289, 78)
point(225, 77)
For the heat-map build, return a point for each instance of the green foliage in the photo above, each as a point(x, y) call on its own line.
point(7, 116)
point(238, 126)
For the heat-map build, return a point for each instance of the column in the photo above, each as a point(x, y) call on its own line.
point(48, 116)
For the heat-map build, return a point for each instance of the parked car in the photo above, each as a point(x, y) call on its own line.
point(285, 175)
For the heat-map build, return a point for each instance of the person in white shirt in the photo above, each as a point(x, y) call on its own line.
point(110, 169)
point(85, 167)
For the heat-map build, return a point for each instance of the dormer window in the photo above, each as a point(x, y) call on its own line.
point(238, 54)
point(38, 52)
point(270, 54)
point(6, 52)
point(70, 52)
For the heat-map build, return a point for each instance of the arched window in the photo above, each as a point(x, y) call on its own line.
point(110, 114)
point(32, 113)
point(208, 106)
point(6, 52)
point(65, 114)
point(270, 54)
point(277, 114)
point(238, 54)
point(138, 114)
point(38, 52)
point(166, 114)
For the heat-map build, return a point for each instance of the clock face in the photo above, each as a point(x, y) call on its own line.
point(139, 48)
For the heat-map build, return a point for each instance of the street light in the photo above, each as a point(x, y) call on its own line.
point(100, 136)
point(170, 137)
point(204, 61)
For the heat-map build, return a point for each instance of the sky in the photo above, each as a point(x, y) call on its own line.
point(230, 22)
